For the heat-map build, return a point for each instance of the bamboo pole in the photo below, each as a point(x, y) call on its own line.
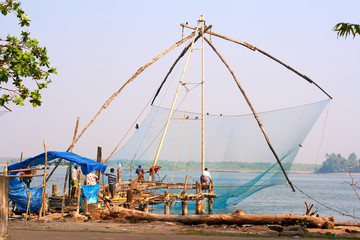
point(253, 48)
point(146, 207)
point(166, 203)
point(86, 205)
point(119, 174)
point(54, 190)
point(184, 203)
point(78, 190)
point(137, 73)
point(64, 191)
point(4, 207)
point(197, 202)
point(28, 204)
point(210, 199)
point(253, 111)
point(202, 96)
point(24, 169)
point(172, 106)
point(99, 160)
point(176, 61)
point(71, 148)
point(44, 184)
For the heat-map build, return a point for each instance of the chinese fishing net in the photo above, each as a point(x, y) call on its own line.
point(233, 142)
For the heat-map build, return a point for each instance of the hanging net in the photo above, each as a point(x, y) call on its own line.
point(232, 142)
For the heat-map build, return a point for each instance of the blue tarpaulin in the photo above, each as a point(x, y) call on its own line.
point(90, 191)
point(17, 190)
point(87, 165)
point(17, 194)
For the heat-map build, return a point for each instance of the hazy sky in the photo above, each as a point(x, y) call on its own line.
point(97, 45)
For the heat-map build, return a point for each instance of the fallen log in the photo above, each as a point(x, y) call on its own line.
point(237, 217)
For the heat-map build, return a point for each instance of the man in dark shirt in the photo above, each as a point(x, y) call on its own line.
point(111, 181)
point(140, 172)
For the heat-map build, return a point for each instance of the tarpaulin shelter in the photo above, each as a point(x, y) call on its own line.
point(87, 165)
point(17, 189)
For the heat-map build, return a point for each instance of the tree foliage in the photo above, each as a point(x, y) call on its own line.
point(22, 61)
point(335, 163)
point(346, 29)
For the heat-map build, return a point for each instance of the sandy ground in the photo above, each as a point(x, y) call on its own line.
point(70, 229)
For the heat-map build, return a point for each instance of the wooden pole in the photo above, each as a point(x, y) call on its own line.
point(184, 203)
point(176, 61)
point(54, 190)
point(86, 205)
point(166, 203)
point(64, 191)
point(202, 95)
point(44, 184)
point(172, 106)
point(146, 207)
point(78, 190)
point(253, 48)
point(197, 202)
point(119, 174)
point(4, 206)
point(71, 148)
point(210, 199)
point(253, 111)
point(21, 157)
point(99, 160)
point(140, 70)
point(237, 217)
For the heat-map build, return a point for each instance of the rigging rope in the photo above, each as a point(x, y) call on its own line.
point(326, 206)
point(322, 134)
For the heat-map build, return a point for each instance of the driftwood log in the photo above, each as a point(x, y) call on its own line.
point(237, 217)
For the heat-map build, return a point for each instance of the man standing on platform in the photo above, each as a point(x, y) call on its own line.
point(205, 178)
point(74, 180)
point(111, 181)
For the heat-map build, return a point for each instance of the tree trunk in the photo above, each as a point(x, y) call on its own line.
point(237, 217)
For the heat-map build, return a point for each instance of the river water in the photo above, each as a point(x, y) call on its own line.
point(333, 191)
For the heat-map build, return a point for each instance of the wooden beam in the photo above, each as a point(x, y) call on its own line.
point(237, 217)
point(253, 111)
point(4, 207)
point(140, 70)
point(253, 48)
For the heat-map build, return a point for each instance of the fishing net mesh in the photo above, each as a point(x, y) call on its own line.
point(232, 142)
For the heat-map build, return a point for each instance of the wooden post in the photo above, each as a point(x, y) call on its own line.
point(98, 158)
point(119, 174)
point(211, 199)
point(64, 191)
point(197, 202)
point(146, 207)
point(27, 213)
point(166, 203)
point(4, 207)
point(44, 184)
point(184, 202)
point(54, 190)
point(78, 190)
point(86, 205)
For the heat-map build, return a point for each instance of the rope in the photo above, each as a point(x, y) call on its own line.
point(322, 134)
point(326, 206)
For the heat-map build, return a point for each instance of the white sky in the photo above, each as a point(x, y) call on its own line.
point(96, 46)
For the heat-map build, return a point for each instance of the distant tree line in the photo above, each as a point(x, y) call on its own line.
point(335, 163)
